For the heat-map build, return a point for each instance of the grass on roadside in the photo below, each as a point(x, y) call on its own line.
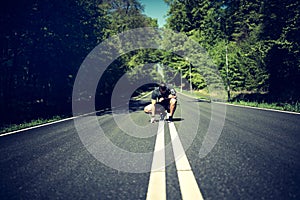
point(204, 95)
point(292, 107)
point(276, 106)
point(15, 127)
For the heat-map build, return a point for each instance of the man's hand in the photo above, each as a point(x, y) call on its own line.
point(161, 99)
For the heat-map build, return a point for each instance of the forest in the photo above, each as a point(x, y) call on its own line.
point(254, 44)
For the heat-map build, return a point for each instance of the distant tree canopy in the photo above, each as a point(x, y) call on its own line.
point(43, 44)
point(262, 38)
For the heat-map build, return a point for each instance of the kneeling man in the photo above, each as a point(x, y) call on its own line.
point(163, 99)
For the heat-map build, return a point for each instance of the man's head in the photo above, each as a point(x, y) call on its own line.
point(162, 88)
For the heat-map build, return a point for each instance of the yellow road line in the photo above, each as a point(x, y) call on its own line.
point(187, 182)
point(157, 182)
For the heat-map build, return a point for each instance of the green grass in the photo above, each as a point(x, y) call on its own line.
point(15, 127)
point(276, 106)
point(292, 107)
point(204, 95)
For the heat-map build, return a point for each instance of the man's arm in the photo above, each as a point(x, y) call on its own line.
point(153, 102)
point(172, 94)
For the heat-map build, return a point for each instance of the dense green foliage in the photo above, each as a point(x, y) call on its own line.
point(261, 37)
point(43, 44)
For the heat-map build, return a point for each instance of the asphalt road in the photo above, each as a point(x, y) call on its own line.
point(257, 156)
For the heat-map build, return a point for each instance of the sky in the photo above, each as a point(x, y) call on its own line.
point(156, 9)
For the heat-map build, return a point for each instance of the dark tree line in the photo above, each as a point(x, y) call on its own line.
point(43, 43)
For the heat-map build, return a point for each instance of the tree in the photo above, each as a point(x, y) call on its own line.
point(283, 36)
point(43, 45)
point(262, 39)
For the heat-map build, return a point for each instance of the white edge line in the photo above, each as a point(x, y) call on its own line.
point(243, 106)
point(50, 123)
point(47, 124)
point(258, 108)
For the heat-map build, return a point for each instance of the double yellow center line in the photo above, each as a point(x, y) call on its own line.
point(157, 183)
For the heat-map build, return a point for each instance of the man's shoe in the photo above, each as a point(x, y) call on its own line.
point(152, 120)
point(170, 119)
point(162, 116)
point(168, 115)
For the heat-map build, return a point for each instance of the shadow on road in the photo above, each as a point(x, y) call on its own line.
point(200, 100)
point(177, 119)
point(137, 105)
